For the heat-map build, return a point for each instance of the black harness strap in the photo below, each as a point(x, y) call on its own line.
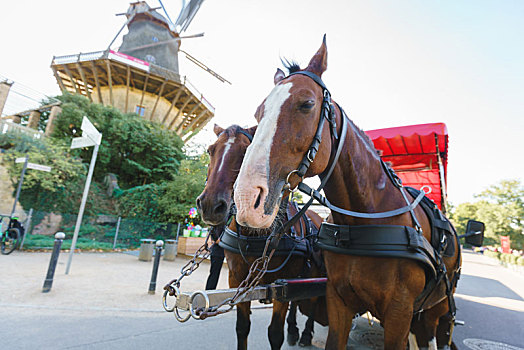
point(379, 240)
point(254, 246)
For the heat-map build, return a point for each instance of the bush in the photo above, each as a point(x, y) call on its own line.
point(492, 254)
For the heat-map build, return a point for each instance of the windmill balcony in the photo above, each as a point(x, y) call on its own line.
point(133, 85)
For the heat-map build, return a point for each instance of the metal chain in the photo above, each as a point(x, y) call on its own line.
point(172, 286)
point(257, 270)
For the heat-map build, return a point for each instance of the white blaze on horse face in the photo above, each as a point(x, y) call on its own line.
point(253, 179)
point(229, 142)
point(258, 152)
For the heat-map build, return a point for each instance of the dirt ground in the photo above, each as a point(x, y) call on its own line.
point(96, 281)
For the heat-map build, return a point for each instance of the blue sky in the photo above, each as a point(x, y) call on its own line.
point(390, 63)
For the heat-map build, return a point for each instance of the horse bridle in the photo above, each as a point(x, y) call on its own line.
point(328, 113)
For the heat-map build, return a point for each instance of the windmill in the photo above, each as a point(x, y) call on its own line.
point(142, 75)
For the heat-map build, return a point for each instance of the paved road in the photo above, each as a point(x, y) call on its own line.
point(103, 304)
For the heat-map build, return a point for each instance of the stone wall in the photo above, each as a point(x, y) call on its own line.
point(6, 190)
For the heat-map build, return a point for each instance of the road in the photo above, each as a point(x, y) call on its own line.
point(101, 308)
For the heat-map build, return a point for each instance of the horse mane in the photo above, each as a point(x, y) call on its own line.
point(233, 130)
point(291, 66)
point(365, 138)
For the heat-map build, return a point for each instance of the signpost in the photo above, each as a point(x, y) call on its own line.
point(90, 137)
point(26, 166)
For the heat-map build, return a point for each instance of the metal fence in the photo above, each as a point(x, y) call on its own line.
point(101, 232)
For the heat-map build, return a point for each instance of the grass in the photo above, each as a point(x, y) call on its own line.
point(47, 242)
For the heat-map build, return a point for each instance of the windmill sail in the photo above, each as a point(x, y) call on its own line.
point(186, 15)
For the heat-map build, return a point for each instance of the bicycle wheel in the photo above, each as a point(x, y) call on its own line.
point(10, 241)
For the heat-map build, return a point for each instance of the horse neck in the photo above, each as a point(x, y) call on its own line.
point(358, 182)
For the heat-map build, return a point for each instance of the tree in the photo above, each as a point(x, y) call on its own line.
point(180, 194)
point(138, 151)
point(500, 208)
point(56, 191)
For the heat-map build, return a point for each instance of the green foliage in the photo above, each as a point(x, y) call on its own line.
point(136, 150)
point(169, 201)
point(47, 242)
point(492, 254)
point(59, 190)
point(180, 194)
point(501, 208)
point(140, 201)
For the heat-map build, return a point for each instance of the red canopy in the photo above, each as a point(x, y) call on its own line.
point(415, 152)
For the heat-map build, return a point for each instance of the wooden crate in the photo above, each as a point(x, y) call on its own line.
point(189, 245)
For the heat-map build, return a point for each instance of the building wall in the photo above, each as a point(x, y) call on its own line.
point(135, 95)
point(147, 33)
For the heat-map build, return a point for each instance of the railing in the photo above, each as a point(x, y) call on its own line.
point(197, 93)
point(8, 126)
point(155, 69)
point(81, 57)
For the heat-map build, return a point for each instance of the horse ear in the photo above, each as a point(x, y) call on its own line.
point(318, 63)
point(251, 131)
point(279, 75)
point(217, 129)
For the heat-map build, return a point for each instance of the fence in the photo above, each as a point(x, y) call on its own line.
point(101, 232)
point(8, 126)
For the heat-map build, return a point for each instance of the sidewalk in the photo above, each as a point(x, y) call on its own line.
point(96, 281)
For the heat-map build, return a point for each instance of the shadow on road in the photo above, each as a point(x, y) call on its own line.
point(485, 287)
point(488, 323)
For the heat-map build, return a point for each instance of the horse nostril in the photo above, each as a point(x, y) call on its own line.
point(259, 198)
point(199, 203)
point(221, 207)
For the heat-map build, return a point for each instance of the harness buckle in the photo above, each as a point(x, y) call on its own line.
point(309, 156)
point(287, 185)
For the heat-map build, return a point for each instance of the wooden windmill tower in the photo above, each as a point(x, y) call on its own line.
point(142, 75)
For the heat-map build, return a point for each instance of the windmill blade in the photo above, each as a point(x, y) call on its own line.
point(186, 15)
point(206, 68)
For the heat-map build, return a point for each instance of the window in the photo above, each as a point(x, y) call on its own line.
point(140, 110)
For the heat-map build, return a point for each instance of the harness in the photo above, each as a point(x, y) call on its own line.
point(376, 240)
point(288, 246)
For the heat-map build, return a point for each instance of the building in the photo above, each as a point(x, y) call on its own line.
point(142, 75)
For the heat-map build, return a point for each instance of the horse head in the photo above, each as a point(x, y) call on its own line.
point(288, 120)
point(226, 156)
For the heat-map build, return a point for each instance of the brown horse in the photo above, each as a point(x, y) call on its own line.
point(214, 204)
point(387, 287)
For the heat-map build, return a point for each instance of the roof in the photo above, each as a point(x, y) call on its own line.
point(414, 153)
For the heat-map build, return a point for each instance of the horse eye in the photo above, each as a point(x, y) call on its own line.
point(308, 105)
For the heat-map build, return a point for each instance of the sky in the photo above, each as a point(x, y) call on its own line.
point(390, 63)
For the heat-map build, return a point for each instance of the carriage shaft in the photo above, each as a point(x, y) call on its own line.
point(281, 290)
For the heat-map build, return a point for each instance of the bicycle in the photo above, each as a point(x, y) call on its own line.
point(12, 236)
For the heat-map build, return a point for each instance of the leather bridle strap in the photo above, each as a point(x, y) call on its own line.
point(327, 112)
point(248, 135)
point(281, 229)
point(386, 214)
